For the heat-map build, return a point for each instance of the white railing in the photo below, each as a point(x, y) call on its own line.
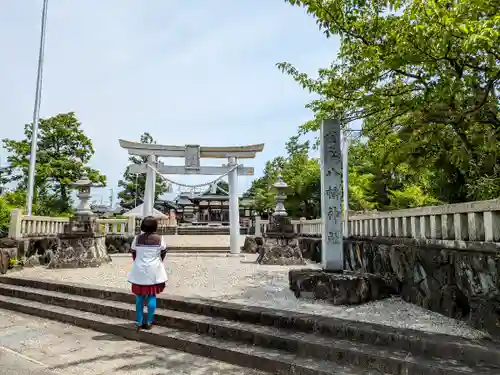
point(35, 226)
point(25, 226)
point(303, 226)
point(114, 226)
point(471, 221)
point(314, 226)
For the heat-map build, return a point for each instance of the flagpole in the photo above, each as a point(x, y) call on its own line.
point(345, 181)
point(36, 111)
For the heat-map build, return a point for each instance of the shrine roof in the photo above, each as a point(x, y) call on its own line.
point(187, 200)
point(210, 197)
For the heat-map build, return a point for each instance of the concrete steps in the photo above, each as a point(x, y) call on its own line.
point(270, 340)
point(198, 249)
point(202, 230)
point(243, 355)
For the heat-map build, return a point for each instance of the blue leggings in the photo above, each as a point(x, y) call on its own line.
point(139, 309)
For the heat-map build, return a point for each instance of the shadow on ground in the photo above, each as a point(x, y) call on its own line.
point(152, 361)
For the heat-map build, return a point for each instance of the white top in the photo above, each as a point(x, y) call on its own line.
point(147, 268)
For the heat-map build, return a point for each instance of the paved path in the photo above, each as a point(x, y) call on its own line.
point(200, 240)
point(35, 346)
point(241, 280)
point(13, 363)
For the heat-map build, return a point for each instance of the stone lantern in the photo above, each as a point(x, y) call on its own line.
point(280, 186)
point(84, 185)
point(280, 240)
point(81, 244)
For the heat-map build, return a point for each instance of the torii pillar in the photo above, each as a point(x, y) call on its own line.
point(149, 188)
point(234, 209)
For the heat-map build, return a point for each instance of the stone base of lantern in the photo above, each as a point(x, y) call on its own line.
point(79, 250)
point(282, 253)
point(345, 288)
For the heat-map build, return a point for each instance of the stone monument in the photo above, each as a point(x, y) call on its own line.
point(280, 241)
point(81, 244)
point(331, 283)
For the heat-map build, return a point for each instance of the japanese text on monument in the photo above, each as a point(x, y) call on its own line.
point(331, 194)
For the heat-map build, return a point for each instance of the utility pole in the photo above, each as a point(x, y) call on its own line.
point(345, 181)
point(36, 111)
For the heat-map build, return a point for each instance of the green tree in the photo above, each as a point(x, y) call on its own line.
point(4, 217)
point(300, 172)
point(63, 151)
point(378, 181)
point(134, 185)
point(427, 72)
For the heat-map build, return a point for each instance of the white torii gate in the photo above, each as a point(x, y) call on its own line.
point(192, 155)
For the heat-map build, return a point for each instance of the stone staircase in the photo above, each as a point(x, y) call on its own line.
point(199, 249)
point(276, 341)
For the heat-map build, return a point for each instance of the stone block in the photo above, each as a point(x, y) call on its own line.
point(118, 243)
point(337, 288)
point(32, 261)
point(458, 283)
point(8, 243)
point(4, 261)
point(250, 245)
point(310, 246)
point(40, 246)
point(282, 254)
point(79, 251)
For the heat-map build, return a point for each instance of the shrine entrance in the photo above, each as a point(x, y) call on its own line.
point(192, 155)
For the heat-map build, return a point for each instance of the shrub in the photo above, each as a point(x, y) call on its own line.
point(4, 217)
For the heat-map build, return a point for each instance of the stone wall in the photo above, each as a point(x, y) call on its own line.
point(118, 243)
point(458, 283)
point(311, 247)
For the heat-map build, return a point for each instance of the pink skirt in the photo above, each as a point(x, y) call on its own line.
point(148, 290)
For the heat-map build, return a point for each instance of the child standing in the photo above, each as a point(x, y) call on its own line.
point(148, 275)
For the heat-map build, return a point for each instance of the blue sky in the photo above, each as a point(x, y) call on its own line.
point(188, 72)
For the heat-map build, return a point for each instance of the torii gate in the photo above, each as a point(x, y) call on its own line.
point(192, 155)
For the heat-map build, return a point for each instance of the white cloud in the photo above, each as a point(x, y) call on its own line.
point(187, 72)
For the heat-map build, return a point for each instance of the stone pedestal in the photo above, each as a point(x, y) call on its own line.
point(337, 288)
point(4, 260)
point(8, 251)
point(281, 246)
point(118, 243)
point(284, 253)
point(252, 243)
point(80, 245)
point(76, 251)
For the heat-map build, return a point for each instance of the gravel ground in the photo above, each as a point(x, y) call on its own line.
point(241, 280)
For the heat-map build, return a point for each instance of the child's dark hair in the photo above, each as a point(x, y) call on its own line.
point(149, 224)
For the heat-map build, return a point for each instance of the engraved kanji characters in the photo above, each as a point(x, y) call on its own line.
point(333, 214)
point(333, 237)
point(332, 144)
point(333, 171)
point(333, 192)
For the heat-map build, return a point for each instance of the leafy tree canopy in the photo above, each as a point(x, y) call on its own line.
point(376, 181)
point(427, 72)
point(63, 153)
point(134, 185)
point(302, 175)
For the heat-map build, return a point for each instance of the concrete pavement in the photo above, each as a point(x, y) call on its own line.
point(34, 346)
point(12, 363)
